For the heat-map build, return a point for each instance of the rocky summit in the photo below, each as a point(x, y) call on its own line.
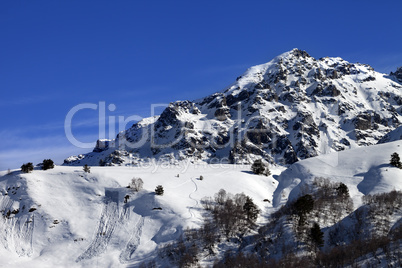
point(291, 108)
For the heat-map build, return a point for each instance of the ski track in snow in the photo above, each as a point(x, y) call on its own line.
point(196, 201)
point(107, 224)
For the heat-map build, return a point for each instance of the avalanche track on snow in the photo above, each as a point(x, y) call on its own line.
point(107, 224)
point(17, 230)
point(135, 232)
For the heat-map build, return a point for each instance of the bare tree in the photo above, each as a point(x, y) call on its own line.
point(136, 184)
point(220, 197)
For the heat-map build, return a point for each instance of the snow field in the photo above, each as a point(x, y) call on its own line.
point(365, 170)
point(82, 221)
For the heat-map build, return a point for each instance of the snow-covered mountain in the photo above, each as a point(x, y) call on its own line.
point(291, 108)
point(328, 129)
point(65, 217)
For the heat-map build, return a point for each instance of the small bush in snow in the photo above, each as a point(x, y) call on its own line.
point(136, 184)
point(47, 164)
point(201, 178)
point(260, 168)
point(159, 190)
point(26, 168)
point(87, 169)
point(395, 160)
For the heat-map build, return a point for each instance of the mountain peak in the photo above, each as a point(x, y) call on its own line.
point(299, 53)
point(295, 52)
point(291, 108)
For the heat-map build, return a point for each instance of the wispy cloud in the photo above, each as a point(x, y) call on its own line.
point(382, 62)
point(388, 63)
point(37, 142)
point(7, 134)
point(4, 102)
point(22, 150)
point(15, 158)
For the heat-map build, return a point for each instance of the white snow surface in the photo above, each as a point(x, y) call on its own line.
point(81, 220)
point(365, 170)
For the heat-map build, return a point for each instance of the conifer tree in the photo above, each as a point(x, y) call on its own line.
point(47, 164)
point(26, 168)
point(251, 210)
point(303, 206)
point(260, 168)
point(342, 190)
point(396, 160)
point(159, 190)
point(317, 236)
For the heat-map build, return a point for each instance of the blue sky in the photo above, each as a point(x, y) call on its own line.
point(58, 54)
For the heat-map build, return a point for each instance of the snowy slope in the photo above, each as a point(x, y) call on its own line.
point(318, 117)
point(364, 170)
point(81, 220)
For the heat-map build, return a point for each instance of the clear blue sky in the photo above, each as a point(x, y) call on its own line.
point(57, 54)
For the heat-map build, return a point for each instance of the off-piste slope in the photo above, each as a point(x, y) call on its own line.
point(67, 218)
point(364, 170)
point(291, 108)
point(360, 223)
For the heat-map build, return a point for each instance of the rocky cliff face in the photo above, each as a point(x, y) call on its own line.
point(397, 74)
point(291, 108)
